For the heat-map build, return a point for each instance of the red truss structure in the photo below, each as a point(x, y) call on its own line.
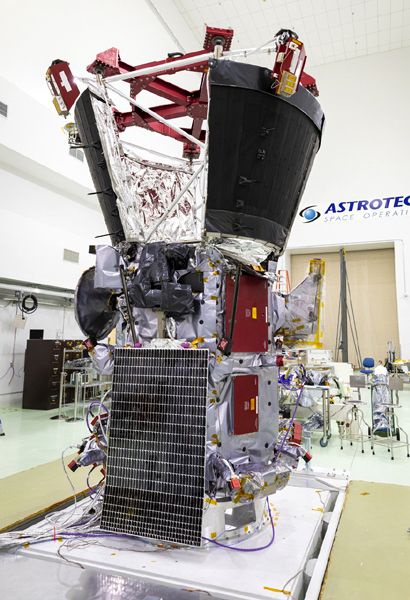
point(287, 73)
point(183, 103)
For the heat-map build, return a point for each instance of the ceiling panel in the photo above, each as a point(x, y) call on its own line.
point(332, 30)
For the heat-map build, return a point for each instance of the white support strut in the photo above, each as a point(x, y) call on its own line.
point(186, 62)
point(175, 202)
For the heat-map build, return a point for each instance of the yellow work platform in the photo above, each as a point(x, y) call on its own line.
point(370, 558)
point(29, 493)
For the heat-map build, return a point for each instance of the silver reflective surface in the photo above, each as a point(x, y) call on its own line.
point(245, 250)
point(27, 578)
point(145, 190)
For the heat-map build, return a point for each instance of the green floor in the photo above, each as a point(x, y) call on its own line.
point(370, 559)
point(33, 439)
point(29, 493)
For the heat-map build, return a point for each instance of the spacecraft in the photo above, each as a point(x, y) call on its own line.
point(192, 445)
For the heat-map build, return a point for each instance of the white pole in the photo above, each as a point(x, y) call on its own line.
point(175, 202)
point(186, 62)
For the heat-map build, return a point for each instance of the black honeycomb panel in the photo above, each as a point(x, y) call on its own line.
point(155, 471)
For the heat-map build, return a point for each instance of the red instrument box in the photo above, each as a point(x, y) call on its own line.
point(245, 404)
point(251, 331)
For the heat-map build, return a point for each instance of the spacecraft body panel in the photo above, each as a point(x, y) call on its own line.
point(189, 266)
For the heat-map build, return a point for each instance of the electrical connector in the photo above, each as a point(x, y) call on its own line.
point(97, 418)
point(307, 457)
point(89, 344)
point(73, 465)
point(235, 483)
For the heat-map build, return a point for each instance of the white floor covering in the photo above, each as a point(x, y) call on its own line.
point(32, 438)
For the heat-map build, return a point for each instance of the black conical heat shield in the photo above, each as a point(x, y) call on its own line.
point(261, 150)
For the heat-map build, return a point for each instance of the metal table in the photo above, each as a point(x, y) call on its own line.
point(326, 428)
point(392, 439)
point(80, 383)
point(355, 416)
point(327, 433)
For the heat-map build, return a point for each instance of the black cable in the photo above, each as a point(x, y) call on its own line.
point(337, 343)
point(235, 301)
point(355, 342)
point(12, 367)
point(355, 339)
point(354, 320)
point(225, 344)
point(131, 322)
point(106, 234)
point(24, 305)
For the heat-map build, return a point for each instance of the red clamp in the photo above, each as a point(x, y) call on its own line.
point(307, 457)
point(97, 418)
point(235, 483)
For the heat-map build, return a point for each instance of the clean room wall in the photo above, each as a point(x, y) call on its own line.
point(44, 206)
point(44, 209)
point(36, 224)
point(35, 33)
point(364, 155)
point(31, 131)
point(371, 276)
point(57, 322)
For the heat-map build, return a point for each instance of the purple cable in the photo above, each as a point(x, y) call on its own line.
point(95, 403)
point(248, 549)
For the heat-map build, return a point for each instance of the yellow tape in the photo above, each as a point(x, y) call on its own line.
point(57, 106)
point(253, 403)
point(254, 312)
point(270, 589)
point(211, 501)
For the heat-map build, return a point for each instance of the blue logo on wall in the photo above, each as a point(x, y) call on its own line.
point(310, 214)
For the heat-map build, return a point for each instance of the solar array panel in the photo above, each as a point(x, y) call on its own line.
point(157, 437)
